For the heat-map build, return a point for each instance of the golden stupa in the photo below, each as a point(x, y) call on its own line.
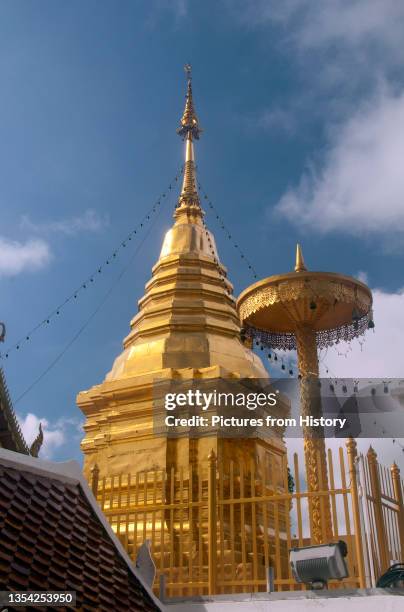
point(187, 327)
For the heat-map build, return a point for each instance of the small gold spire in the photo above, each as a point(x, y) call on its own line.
point(189, 129)
point(212, 456)
point(300, 265)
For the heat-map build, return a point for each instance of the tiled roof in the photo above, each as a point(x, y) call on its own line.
point(53, 538)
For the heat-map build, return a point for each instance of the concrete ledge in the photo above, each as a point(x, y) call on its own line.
point(346, 600)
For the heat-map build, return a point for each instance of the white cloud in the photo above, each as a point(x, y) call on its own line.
point(56, 434)
point(353, 23)
point(341, 49)
point(363, 277)
point(34, 253)
point(180, 8)
point(89, 221)
point(359, 187)
point(346, 54)
point(381, 354)
point(311, 24)
point(17, 257)
point(176, 9)
point(273, 119)
point(53, 438)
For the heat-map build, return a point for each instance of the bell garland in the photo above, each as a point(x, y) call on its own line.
point(287, 341)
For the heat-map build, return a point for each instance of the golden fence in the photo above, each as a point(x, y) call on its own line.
point(219, 529)
point(382, 515)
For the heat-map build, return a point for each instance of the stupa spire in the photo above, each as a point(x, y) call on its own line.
point(188, 202)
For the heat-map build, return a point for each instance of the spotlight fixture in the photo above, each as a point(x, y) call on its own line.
point(316, 565)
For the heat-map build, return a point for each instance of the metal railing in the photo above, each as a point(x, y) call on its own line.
point(221, 528)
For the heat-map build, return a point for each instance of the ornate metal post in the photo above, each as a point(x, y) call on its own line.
point(314, 444)
point(378, 509)
point(352, 465)
point(395, 476)
point(212, 524)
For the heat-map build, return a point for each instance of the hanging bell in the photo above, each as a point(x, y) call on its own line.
point(371, 324)
point(386, 389)
point(344, 388)
point(355, 318)
point(283, 366)
point(275, 357)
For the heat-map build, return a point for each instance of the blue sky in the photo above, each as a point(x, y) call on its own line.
point(303, 114)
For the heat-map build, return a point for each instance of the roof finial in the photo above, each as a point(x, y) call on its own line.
point(2, 332)
point(189, 130)
point(300, 265)
point(37, 443)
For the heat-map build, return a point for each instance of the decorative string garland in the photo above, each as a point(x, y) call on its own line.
point(78, 333)
point(333, 382)
point(263, 339)
point(250, 267)
point(227, 232)
point(89, 281)
point(219, 268)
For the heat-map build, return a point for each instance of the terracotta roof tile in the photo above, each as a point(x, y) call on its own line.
point(52, 539)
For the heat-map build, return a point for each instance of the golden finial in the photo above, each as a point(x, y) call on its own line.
point(371, 454)
point(395, 469)
point(300, 265)
point(189, 122)
point(189, 130)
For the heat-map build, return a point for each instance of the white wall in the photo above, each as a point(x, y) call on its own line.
point(372, 603)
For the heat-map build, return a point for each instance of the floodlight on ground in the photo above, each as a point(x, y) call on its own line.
point(316, 565)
